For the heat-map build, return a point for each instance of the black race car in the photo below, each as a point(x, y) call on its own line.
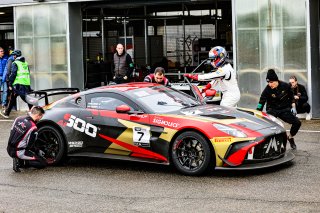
point(156, 124)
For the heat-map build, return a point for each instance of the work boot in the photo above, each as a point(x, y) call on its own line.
point(16, 165)
point(292, 143)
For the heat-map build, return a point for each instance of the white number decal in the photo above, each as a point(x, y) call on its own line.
point(82, 126)
point(71, 121)
point(141, 136)
point(91, 130)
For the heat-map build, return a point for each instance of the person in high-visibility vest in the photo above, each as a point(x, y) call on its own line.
point(19, 84)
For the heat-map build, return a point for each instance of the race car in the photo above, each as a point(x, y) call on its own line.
point(152, 123)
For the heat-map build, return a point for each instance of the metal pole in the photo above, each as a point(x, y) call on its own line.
point(216, 21)
point(184, 37)
point(125, 33)
point(166, 39)
point(102, 35)
point(200, 28)
point(146, 35)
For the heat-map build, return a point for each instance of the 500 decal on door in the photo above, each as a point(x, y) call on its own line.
point(82, 126)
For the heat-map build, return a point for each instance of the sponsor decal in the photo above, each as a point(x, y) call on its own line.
point(160, 121)
point(141, 116)
point(82, 126)
point(77, 144)
point(22, 124)
point(228, 139)
point(273, 144)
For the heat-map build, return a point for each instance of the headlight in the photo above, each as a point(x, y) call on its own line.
point(274, 119)
point(230, 131)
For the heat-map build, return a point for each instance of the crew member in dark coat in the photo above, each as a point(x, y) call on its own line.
point(123, 65)
point(280, 103)
point(300, 96)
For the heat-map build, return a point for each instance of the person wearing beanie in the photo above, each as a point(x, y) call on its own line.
point(280, 103)
point(272, 76)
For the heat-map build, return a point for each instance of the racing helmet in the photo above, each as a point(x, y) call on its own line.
point(17, 53)
point(218, 56)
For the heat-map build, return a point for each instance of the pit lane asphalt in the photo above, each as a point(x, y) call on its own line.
point(91, 185)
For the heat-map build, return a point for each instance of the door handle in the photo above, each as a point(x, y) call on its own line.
point(89, 117)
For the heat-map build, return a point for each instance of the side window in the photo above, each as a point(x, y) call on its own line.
point(103, 101)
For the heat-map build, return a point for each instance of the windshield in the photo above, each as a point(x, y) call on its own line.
point(161, 99)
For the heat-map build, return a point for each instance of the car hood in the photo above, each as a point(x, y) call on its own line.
point(228, 115)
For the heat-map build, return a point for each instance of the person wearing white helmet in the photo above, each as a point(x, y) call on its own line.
point(223, 75)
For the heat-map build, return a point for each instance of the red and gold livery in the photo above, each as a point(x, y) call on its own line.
point(156, 124)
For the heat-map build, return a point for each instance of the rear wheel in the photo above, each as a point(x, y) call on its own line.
point(51, 142)
point(191, 153)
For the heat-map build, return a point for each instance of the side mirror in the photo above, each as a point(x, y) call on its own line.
point(123, 109)
point(210, 92)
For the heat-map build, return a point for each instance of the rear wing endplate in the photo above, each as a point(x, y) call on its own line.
point(34, 97)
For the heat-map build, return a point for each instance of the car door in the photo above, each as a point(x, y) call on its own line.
point(117, 133)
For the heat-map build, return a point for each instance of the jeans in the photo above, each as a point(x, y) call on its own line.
point(4, 88)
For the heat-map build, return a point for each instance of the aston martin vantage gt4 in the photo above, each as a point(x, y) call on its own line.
point(152, 123)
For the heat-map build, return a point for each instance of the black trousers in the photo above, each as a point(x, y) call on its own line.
point(39, 162)
point(13, 101)
point(303, 108)
point(288, 117)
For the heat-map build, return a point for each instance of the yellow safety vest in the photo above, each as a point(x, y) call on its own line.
point(23, 74)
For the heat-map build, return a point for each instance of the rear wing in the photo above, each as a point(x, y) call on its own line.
point(34, 97)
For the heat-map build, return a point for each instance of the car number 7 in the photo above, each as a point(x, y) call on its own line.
point(141, 135)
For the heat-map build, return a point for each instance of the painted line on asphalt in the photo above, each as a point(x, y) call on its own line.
point(6, 120)
point(308, 131)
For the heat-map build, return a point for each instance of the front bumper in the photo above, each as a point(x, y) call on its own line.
point(288, 156)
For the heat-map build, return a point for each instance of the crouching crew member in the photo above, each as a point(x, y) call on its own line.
point(280, 103)
point(21, 143)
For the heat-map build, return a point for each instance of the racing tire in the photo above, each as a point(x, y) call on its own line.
point(191, 154)
point(51, 142)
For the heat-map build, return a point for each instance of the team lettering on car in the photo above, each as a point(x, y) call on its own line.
point(75, 144)
point(222, 139)
point(165, 123)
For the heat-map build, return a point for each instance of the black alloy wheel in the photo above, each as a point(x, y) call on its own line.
point(191, 153)
point(51, 143)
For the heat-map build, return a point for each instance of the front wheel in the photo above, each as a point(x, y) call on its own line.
point(191, 153)
point(51, 142)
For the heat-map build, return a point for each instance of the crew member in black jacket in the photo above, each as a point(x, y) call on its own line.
point(280, 103)
point(300, 96)
point(21, 141)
